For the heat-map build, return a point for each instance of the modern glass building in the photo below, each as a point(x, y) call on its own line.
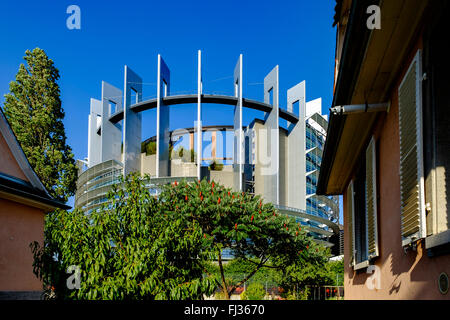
point(280, 163)
point(94, 184)
point(318, 214)
point(326, 207)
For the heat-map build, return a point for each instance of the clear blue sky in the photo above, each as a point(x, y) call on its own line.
point(296, 35)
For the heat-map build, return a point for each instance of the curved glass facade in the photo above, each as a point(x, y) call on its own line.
point(94, 183)
point(318, 206)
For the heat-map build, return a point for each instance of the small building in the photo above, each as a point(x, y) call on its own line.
point(387, 148)
point(24, 201)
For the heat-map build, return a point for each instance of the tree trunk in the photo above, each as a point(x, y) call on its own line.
point(224, 283)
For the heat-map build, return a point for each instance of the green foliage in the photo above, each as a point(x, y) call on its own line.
point(220, 295)
point(140, 247)
point(132, 249)
point(180, 152)
point(216, 166)
point(255, 291)
point(148, 148)
point(249, 228)
point(299, 277)
point(302, 294)
point(336, 269)
point(33, 109)
point(186, 155)
point(237, 269)
point(309, 274)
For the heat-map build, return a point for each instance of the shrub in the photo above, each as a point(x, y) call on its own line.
point(255, 291)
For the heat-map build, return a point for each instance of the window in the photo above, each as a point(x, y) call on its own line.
point(411, 164)
point(436, 137)
point(362, 211)
point(134, 97)
point(112, 107)
point(296, 107)
point(165, 92)
point(360, 230)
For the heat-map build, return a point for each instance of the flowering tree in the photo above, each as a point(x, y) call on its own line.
point(243, 224)
point(141, 247)
point(129, 249)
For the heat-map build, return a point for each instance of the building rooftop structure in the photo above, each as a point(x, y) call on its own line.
point(280, 164)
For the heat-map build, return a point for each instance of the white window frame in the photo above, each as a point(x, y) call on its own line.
point(419, 140)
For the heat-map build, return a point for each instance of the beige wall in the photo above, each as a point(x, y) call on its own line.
point(9, 164)
point(178, 168)
point(19, 226)
point(186, 169)
point(225, 177)
point(410, 275)
point(148, 164)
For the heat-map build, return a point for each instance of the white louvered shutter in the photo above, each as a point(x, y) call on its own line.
point(411, 156)
point(371, 200)
point(350, 223)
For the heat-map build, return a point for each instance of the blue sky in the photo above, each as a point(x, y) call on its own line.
point(296, 35)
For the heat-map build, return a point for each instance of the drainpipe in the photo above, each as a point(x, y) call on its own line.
point(360, 108)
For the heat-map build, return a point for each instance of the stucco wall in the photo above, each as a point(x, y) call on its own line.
point(19, 226)
point(410, 275)
point(148, 164)
point(9, 164)
point(224, 177)
point(178, 168)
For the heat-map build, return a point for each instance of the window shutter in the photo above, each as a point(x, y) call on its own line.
point(350, 223)
point(371, 201)
point(411, 156)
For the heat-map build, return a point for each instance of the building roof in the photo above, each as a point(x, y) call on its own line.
point(369, 65)
point(30, 191)
point(337, 12)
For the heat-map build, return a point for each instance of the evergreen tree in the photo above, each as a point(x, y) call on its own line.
point(33, 109)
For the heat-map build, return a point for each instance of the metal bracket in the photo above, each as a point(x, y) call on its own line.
point(360, 108)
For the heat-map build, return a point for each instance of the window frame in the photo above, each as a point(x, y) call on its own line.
point(436, 242)
point(361, 210)
point(416, 62)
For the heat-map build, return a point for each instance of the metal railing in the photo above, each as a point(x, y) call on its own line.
point(325, 292)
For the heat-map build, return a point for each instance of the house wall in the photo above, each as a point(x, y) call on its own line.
point(410, 275)
point(20, 225)
point(9, 164)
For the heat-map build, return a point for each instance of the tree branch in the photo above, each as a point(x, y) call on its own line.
point(251, 274)
point(209, 274)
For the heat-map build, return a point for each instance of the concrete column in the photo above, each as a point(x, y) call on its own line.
point(132, 133)
point(191, 141)
point(213, 144)
point(296, 161)
point(199, 115)
point(268, 144)
point(111, 134)
point(238, 158)
point(162, 120)
point(94, 133)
